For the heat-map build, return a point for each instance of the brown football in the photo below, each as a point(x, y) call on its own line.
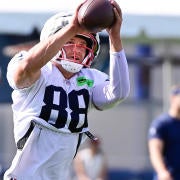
point(96, 15)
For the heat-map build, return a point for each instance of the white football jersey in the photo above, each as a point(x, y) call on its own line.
point(62, 105)
point(53, 100)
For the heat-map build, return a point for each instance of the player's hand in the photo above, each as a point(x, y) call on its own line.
point(114, 30)
point(75, 23)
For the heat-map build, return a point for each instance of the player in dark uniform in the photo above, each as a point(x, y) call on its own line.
point(164, 141)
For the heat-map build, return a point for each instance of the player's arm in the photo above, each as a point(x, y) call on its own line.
point(114, 30)
point(117, 89)
point(112, 92)
point(28, 70)
point(156, 146)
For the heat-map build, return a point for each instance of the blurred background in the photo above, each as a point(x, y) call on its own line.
point(151, 39)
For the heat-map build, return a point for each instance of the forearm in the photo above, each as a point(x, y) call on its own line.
point(115, 43)
point(45, 50)
point(28, 70)
point(156, 155)
point(158, 162)
point(112, 92)
point(119, 74)
point(160, 167)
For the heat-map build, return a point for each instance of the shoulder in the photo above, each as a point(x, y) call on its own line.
point(12, 65)
point(18, 57)
point(161, 120)
point(159, 126)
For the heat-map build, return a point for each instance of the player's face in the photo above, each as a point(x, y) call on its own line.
point(75, 49)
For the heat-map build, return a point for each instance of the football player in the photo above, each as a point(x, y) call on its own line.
point(54, 89)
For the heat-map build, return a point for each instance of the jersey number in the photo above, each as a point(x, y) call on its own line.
point(57, 113)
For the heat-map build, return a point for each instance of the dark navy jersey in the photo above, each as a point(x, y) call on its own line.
point(167, 129)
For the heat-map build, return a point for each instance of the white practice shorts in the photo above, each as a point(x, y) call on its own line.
point(46, 155)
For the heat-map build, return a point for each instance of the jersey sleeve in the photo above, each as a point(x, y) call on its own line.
point(157, 129)
point(45, 70)
point(13, 65)
point(112, 92)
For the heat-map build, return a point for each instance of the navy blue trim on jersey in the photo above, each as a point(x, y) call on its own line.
point(22, 141)
point(78, 144)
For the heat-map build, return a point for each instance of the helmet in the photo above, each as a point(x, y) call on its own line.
point(57, 22)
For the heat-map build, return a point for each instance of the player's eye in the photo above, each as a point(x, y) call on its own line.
point(70, 42)
point(84, 44)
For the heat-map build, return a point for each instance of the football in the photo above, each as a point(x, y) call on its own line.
point(96, 15)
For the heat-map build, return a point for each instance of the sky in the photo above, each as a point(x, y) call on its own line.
point(155, 7)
